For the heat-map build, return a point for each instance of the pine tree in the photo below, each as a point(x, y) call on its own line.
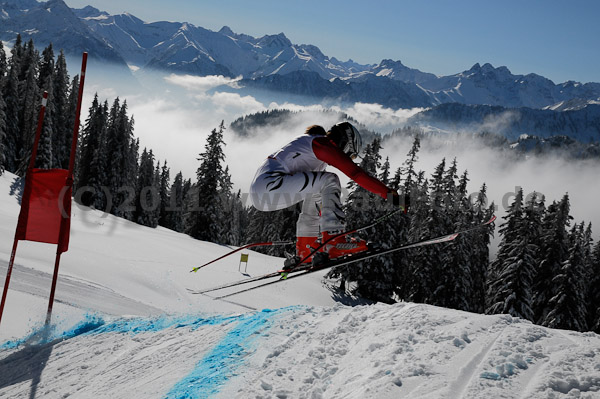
point(482, 212)
point(163, 191)
point(62, 132)
point(174, 209)
point(92, 164)
point(36, 83)
point(147, 196)
point(205, 213)
point(418, 283)
point(374, 277)
point(2, 132)
point(28, 57)
point(122, 170)
point(460, 284)
point(438, 222)
point(568, 308)
point(12, 133)
point(30, 96)
point(13, 137)
point(3, 71)
point(593, 310)
point(3, 65)
point(72, 113)
point(232, 213)
point(513, 270)
point(409, 165)
point(554, 252)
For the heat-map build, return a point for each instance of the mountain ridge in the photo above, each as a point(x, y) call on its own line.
point(274, 63)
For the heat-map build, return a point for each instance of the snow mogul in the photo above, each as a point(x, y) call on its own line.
point(296, 173)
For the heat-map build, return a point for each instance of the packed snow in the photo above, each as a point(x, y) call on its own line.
point(125, 325)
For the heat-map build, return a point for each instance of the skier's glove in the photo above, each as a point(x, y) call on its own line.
point(401, 201)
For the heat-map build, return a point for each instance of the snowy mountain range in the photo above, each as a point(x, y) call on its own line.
point(273, 62)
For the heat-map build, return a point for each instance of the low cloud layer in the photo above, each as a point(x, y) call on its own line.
point(175, 116)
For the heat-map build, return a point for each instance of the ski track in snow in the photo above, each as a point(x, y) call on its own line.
point(412, 351)
point(376, 351)
point(70, 291)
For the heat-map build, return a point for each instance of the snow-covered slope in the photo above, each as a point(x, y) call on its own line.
point(125, 326)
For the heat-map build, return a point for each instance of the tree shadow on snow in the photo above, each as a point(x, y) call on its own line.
point(340, 295)
point(26, 364)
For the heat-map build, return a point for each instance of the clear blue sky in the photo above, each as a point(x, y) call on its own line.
point(555, 38)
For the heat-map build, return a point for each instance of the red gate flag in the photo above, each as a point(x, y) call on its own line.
point(46, 204)
point(43, 207)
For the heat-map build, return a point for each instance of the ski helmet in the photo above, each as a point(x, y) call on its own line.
point(347, 138)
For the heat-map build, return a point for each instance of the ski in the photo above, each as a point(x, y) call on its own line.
point(261, 244)
point(299, 264)
point(238, 282)
point(252, 245)
point(300, 271)
point(343, 261)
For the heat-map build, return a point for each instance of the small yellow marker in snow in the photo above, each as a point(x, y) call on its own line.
point(243, 258)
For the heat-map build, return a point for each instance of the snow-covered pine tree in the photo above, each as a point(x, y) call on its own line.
point(409, 169)
point(553, 253)
point(418, 285)
point(203, 220)
point(164, 189)
point(174, 209)
point(405, 182)
point(226, 216)
point(438, 222)
point(62, 132)
point(147, 198)
point(3, 69)
point(389, 234)
point(12, 119)
point(594, 291)
point(155, 209)
point(568, 309)
point(3, 65)
point(513, 270)
point(16, 54)
point(373, 277)
point(93, 161)
point(28, 57)
point(2, 133)
point(30, 100)
point(460, 287)
point(72, 112)
point(399, 224)
point(256, 223)
point(482, 212)
point(453, 282)
point(45, 79)
point(122, 168)
point(587, 244)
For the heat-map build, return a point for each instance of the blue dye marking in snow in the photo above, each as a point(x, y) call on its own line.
point(46, 334)
point(95, 324)
point(219, 365)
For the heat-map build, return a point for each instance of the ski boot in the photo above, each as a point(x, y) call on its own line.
point(304, 247)
point(338, 247)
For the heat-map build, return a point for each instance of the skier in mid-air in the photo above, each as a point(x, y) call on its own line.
point(297, 173)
